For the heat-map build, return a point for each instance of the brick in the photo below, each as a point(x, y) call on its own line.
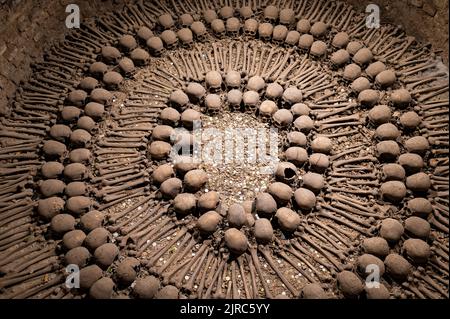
point(10, 54)
point(416, 3)
point(441, 4)
point(429, 8)
point(3, 48)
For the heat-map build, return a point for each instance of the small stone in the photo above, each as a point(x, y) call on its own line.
point(429, 8)
point(416, 3)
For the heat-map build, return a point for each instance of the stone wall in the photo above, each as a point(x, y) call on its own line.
point(427, 20)
point(27, 29)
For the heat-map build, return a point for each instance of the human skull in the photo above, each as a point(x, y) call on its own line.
point(218, 27)
point(209, 15)
point(155, 45)
point(166, 21)
point(213, 80)
point(246, 12)
point(270, 14)
point(233, 79)
point(287, 16)
point(170, 39)
point(267, 109)
point(226, 12)
point(250, 27)
point(233, 26)
point(234, 98)
point(280, 33)
point(186, 20)
point(213, 103)
point(292, 38)
point(199, 30)
point(265, 31)
point(251, 100)
point(186, 37)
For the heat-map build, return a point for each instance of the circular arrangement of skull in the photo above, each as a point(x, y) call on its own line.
point(232, 150)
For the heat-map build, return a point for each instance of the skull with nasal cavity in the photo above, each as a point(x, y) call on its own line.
point(251, 27)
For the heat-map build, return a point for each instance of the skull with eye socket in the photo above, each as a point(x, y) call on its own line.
point(282, 118)
point(218, 27)
point(246, 12)
point(234, 98)
point(270, 14)
point(279, 35)
point(138, 57)
point(127, 43)
point(291, 96)
point(265, 31)
point(274, 91)
point(213, 103)
point(233, 79)
point(185, 20)
point(213, 81)
point(256, 83)
point(178, 99)
point(251, 101)
point(195, 92)
point(110, 54)
point(98, 69)
point(233, 26)
point(292, 38)
point(287, 16)
point(199, 30)
point(250, 27)
point(286, 172)
point(186, 37)
point(170, 39)
point(155, 46)
point(166, 21)
point(267, 109)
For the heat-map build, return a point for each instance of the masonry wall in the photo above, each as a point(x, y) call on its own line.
point(28, 27)
point(427, 20)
